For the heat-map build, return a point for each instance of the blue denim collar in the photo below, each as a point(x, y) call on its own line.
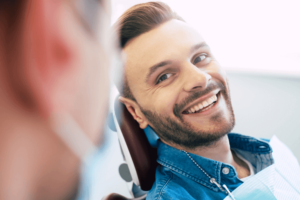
point(179, 162)
point(247, 143)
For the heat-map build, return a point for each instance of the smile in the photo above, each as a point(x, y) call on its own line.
point(203, 105)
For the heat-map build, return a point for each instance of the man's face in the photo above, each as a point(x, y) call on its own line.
point(178, 85)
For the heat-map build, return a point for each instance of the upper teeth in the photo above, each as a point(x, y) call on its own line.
point(203, 104)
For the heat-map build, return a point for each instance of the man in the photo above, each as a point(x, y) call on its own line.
point(174, 84)
point(54, 87)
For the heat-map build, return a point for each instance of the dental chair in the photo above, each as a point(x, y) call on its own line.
point(139, 153)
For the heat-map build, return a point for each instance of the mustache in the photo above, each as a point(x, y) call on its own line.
point(195, 95)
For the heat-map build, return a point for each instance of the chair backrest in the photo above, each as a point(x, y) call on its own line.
point(138, 153)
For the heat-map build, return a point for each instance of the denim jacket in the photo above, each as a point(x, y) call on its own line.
point(177, 177)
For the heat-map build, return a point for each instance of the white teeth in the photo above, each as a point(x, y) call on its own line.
point(203, 104)
point(209, 101)
point(197, 108)
point(200, 106)
point(215, 98)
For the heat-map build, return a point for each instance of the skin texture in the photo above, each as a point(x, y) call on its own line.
point(59, 68)
point(190, 75)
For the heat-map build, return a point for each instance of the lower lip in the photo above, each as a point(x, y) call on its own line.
point(209, 109)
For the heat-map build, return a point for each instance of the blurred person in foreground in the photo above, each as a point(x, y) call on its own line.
point(54, 85)
point(175, 85)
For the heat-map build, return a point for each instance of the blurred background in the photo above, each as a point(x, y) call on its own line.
point(258, 43)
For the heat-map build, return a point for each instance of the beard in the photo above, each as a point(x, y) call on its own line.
point(180, 132)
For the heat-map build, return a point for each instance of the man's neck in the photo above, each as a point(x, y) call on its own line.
point(220, 151)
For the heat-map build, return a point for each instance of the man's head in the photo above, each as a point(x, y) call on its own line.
point(54, 62)
point(172, 81)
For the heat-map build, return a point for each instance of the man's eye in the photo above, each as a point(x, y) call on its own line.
point(199, 58)
point(163, 77)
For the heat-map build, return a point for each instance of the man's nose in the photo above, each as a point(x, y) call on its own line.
point(195, 78)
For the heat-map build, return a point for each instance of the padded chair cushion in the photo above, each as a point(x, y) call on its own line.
point(143, 155)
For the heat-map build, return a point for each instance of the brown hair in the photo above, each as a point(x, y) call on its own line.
point(140, 19)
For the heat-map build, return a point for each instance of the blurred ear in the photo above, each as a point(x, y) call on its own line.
point(49, 54)
point(135, 111)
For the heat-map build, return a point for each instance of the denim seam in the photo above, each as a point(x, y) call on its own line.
point(169, 164)
point(162, 189)
point(182, 172)
point(218, 172)
point(259, 162)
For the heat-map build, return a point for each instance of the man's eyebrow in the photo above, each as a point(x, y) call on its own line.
point(157, 66)
point(198, 46)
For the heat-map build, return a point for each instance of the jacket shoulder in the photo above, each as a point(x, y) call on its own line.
point(166, 187)
point(162, 179)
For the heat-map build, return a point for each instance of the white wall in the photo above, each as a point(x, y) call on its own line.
point(251, 36)
point(265, 106)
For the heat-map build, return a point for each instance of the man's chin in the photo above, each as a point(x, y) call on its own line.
point(209, 128)
point(204, 134)
point(203, 140)
point(187, 134)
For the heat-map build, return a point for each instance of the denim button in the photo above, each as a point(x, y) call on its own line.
point(225, 170)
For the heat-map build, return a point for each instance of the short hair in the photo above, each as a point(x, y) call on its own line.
point(137, 20)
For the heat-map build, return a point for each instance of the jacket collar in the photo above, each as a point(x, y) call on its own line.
point(179, 162)
point(247, 143)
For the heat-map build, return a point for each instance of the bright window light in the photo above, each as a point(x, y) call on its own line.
point(257, 36)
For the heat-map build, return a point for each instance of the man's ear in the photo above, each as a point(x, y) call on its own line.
point(134, 109)
point(49, 55)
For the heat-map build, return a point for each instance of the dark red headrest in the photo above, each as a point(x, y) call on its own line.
point(135, 146)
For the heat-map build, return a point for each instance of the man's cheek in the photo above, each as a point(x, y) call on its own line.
point(166, 108)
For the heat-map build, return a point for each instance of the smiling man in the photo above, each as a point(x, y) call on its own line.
point(175, 85)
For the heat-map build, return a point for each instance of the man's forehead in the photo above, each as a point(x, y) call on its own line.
point(162, 43)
